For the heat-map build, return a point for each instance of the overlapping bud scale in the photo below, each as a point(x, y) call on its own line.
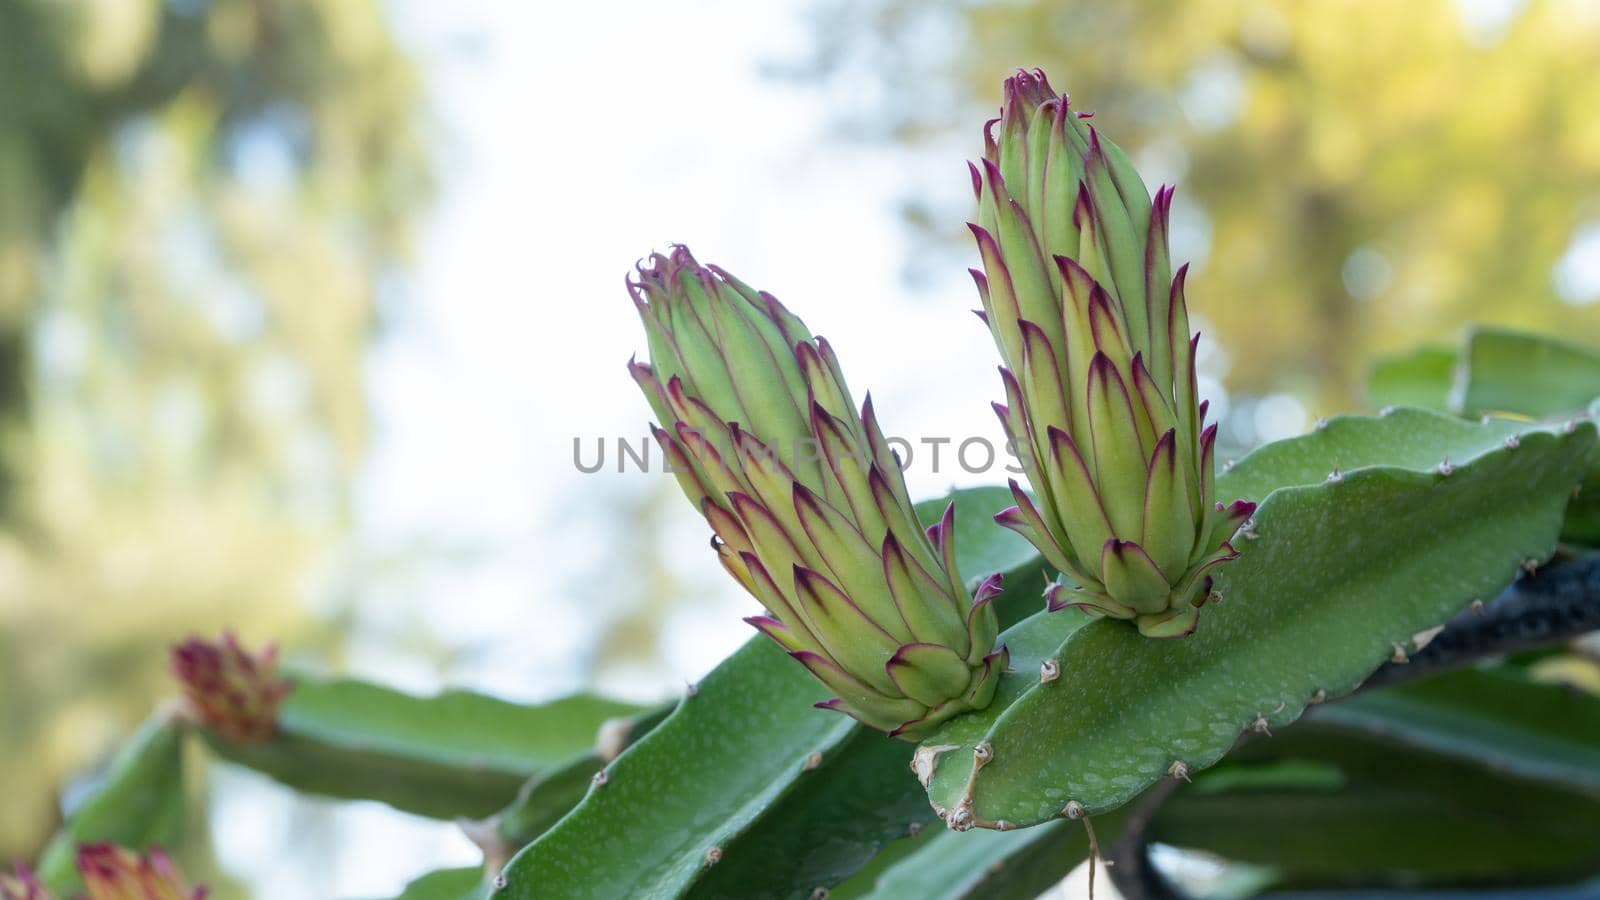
point(1101, 403)
point(809, 504)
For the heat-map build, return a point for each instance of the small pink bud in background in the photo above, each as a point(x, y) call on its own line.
point(113, 873)
point(21, 886)
point(229, 690)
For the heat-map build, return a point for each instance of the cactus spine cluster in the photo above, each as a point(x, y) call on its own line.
point(1099, 375)
point(809, 504)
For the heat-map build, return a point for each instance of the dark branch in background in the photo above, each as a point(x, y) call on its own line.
point(1128, 861)
point(1555, 604)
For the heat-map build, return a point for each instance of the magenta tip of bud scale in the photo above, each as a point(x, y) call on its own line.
point(1010, 515)
point(989, 589)
point(991, 174)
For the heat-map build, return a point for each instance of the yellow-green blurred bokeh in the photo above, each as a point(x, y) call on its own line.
point(1359, 174)
point(198, 203)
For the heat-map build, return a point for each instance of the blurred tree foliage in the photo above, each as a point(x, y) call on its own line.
point(1354, 175)
point(200, 202)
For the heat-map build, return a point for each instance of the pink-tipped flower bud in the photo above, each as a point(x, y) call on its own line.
point(113, 873)
point(1101, 399)
point(809, 503)
point(229, 690)
point(21, 886)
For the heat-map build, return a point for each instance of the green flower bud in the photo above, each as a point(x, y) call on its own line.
point(808, 503)
point(1101, 404)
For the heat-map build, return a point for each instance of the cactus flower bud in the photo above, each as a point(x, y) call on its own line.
point(809, 504)
point(112, 873)
point(21, 886)
point(1099, 378)
point(229, 690)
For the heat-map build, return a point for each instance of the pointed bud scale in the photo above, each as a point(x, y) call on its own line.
point(230, 690)
point(808, 501)
point(1100, 391)
point(113, 873)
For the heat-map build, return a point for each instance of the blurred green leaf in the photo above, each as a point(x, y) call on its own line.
point(1421, 379)
point(467, 883)
point(450, 755)
point(1526, 374)
point(1499, 718)
point(989, 865)
point(139, 803)
point(1403, 816)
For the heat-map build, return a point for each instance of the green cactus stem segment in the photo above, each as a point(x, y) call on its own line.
point(1101, 403)
point(808, 504)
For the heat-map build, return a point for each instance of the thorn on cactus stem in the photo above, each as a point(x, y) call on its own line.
point(1321, 423)
point(1214, 597)
point(1477, 606)
point(612, 738)
point(1335, 476)
point(1319, 696)
point(981, 754)
point(690, 689)
point(713, 856)
point(1179, 769)
point(1570, 427)
point(1049, 671)
point(926, 759)
point(1227, 465)
point(1259, 726)
point(600, 778)
point(813, 760)
point(1445, 468)
point(1530, 565)
point(1387, 410)
point(1513, 442)
point(820, 893)
point(1073, 810)
point(1399, 656)
point(1003, 825)
point(914, 829)
point(500, 882)
point(1425, 637)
